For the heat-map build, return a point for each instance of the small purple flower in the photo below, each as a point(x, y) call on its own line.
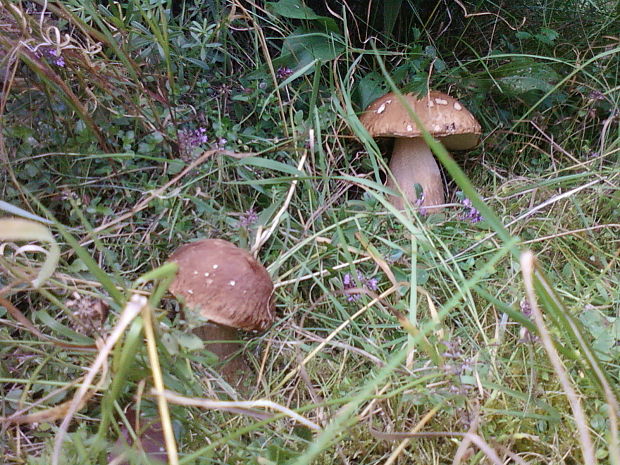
point(248, 218)
point(283, 72)
point(596, 95)
point(457, 363)
point(189, 139)
point(348, 283)
point(199, 137)
point(472, 214)
point(372, 284)
point(56, 56)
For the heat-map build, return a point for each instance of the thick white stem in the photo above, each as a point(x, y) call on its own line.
point(413, 163)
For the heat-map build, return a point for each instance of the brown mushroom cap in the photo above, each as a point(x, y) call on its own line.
point(224, 283)
point(443, 116)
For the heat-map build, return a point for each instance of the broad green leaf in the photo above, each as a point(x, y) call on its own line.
point(523, 84)
point(304, 46)
point(369, 88)
point(292, 9)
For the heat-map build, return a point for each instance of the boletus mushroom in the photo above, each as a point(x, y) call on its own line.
point(412, 160)
point(225, 286)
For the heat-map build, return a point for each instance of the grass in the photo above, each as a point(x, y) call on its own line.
point(486, 342)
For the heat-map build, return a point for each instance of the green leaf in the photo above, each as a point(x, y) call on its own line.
point(175, 166)
point(369, 88)
point(523, 84)
point(271, 165)
point(292, 9)
point(189, 341)
point(547, 35)
point(523, 75)
point(77, 266)
point(304, 45)
point(523, 35)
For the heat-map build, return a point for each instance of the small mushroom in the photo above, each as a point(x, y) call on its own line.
point(412, 160)
point(226, 286)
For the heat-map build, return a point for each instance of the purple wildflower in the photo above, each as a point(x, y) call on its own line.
point(193, 138)
point(56, 56)
point(190, 139)
point(457, 363)
point(248, 218)
point(472, 214)
point(596, 95)
point(283, 72)
point(348, 283)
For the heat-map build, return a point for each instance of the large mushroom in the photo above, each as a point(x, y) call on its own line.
point(227, 288)
point(412, 160)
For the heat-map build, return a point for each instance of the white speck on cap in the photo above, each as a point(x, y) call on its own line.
point(457, 129)
point(189, 291)
point(381, 109)
point(206, 275)
point(195, 272)
point(232, 283)
point(215, 267)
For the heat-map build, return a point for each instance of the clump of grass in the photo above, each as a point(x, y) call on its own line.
point(402, 337)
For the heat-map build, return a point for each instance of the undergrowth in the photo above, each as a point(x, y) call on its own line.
point(130, 129)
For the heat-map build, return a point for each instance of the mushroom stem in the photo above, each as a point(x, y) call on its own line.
point(413, 163)
point(224, 342)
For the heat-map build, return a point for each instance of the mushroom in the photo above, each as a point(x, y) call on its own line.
point(223, 284)
point(412, 160)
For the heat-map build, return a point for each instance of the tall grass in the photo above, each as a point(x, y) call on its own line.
point(457, 342)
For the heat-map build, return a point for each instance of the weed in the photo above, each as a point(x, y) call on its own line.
point(130, 128)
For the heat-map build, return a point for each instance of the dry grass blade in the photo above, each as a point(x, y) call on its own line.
point(528, 264)
point(164, 412)
point(18, 229)
point(263, 237)
point(244, 407)
point(132, 309)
